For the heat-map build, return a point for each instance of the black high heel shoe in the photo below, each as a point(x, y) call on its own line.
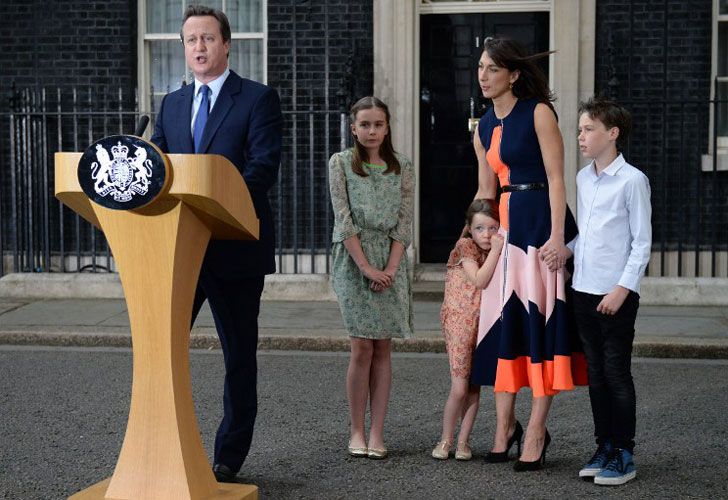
point(521, 466)
point(502, 456)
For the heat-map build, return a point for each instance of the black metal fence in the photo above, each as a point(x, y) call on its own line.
point(301, 196)
point(672, 142)
point(676, 143)
point(40, 234)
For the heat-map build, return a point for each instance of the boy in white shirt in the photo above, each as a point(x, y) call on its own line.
point(610, 257)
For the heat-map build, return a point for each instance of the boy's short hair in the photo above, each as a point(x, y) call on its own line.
point(610, 114)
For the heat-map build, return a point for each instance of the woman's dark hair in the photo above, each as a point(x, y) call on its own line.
point(610, 114)
point(484, 206)
point(386, 150)
point(531, 82)
point(203, 10)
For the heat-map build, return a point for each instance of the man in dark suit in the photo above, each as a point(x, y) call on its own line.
point(222, 113)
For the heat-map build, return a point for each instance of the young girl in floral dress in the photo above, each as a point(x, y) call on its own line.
point(372, 193)
point(469, 269)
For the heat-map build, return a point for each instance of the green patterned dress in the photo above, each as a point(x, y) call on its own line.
point(379, 208)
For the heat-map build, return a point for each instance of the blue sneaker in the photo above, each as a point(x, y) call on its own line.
point(598, 461)
point(618, 470)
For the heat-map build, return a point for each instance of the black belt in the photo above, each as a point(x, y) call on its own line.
point(524, 187)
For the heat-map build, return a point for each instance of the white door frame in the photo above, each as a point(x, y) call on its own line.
point(572, 28)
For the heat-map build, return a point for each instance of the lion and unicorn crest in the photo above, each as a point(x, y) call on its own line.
point(122, 176)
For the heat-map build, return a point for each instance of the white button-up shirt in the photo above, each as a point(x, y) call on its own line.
point(215, 87)
point(615, 232)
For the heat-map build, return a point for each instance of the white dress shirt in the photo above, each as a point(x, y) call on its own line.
point(615, 232)
point(215, 87)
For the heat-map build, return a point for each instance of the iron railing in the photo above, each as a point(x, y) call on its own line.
point(676, 145)
point(40, 234)
point(670, 142)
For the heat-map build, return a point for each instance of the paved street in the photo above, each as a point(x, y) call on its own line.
point(63, 413)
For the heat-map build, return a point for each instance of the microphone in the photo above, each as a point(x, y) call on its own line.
point(141, 126)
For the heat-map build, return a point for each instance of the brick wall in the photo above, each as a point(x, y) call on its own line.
point(660, 49)
point(89, 46)
point(92, 46)
point(47, 43)
point(297, 59)
point(302, 24)
point(657, 56)
point(657, 53)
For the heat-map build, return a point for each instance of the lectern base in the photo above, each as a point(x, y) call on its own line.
point(225, 491)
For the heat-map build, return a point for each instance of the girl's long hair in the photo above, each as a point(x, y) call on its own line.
point(531, 82)
point(386, 150)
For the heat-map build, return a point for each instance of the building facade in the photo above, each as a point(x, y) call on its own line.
point(666, 61)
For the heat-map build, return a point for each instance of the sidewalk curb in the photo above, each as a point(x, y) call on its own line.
point(428, 286)
point(646, 349)
point(43, 286)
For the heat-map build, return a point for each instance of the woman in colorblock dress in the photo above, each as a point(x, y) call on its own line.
point(529, 340)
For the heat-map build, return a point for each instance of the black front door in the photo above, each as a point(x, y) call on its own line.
point(451, 45)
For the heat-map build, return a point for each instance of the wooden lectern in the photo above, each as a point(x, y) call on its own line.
point(159, 250)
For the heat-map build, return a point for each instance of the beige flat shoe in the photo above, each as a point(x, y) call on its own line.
point(358, 452)
point(442, 450)
point(377, 453)
point(463, 452)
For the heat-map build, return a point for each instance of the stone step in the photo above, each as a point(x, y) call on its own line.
point(429, 285)
point(428, 291)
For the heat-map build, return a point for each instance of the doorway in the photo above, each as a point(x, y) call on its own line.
point(450, 47)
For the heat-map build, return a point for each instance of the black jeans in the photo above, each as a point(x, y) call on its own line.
point(607, 342)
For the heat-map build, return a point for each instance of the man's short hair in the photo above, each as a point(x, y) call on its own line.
point(203, 10)
point(610, 114)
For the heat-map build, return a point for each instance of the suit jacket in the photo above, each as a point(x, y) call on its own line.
point(244, 126)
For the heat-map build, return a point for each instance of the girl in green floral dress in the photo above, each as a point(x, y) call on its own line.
point(372, 193)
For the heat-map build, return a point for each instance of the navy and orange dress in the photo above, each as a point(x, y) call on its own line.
point(526, 334)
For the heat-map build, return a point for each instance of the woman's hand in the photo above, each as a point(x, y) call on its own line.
point(554, 253)
point(391, 272)
point(396, 252)
point(552, 261)
point(376, 287)
point(374, 275)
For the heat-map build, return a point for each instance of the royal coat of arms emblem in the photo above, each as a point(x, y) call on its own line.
point(122, 172)
point(122, 176)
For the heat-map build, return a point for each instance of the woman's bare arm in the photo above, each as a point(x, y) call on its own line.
point(552, 150)
point(487, 181)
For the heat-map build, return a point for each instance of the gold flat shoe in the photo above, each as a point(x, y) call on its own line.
point(358, 452)
point(463, 452)
point(377, 453)
point(442, 450)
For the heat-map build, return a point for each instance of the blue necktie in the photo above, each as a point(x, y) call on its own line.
point(201, 118)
